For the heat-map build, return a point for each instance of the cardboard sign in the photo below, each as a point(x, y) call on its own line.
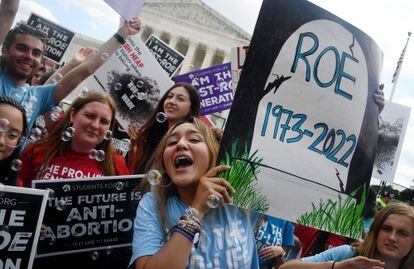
point(58, 38)
point(128, 9)
point(302, 129)
point(88, 214)
point(393, 125)
point(21, 214)
point(133, 78)
point(169, 59)
point(214, 86)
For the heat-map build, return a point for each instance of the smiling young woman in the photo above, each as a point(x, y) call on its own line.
point(179, 102)
point(389, 245)
point(88, 119)
point(174, 226)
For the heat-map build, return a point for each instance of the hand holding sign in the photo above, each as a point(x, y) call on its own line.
point(130, 28)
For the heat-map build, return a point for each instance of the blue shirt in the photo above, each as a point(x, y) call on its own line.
point(36, 100)
point(336, 254)
point(274, 232)
point(226, 238)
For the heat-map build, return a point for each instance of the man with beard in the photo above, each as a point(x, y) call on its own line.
point(22, 52)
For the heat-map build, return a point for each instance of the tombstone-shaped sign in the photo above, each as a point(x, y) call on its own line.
point(303, 122)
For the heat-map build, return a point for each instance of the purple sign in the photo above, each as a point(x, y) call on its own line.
point(214, 86)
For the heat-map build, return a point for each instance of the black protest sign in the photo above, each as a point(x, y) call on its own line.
point(58, 38)
point(21, 213)
point(88, 214)
point(303, 117)
point(169, 59)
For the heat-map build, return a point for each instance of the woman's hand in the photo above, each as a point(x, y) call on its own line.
point(271, 252)
point(208, 185)
point(379, 97)
point(360, 262)
point(130, 28)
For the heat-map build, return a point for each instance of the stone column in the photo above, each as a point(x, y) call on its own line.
point(208, 57)
point(173, 41)
point(189, 58)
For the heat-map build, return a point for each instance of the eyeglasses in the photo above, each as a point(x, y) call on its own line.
point(23, 28)
point(12, 138)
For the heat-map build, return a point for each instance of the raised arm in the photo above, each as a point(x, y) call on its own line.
point(8, 10)
point(76, 60)
point(89, 66)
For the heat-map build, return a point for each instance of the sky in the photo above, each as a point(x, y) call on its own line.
point(387, 22)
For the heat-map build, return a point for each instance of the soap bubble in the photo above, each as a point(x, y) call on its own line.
point(161, 117)
point(95, 255)
point(154, 177)
point(35, 134)
point(92, 154)
point(61, 205)
point(16, 165)
point(108, 135)
point(100, 155)
point(56, 114)
point(104, 56)
point(118, 86)
point(119, 186)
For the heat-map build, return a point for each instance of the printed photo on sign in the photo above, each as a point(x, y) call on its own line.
point(21, 214)
point(133, 78)
point(214, 86)
point(88, 214)
point(301, 132)
point(393, 122)
point(169, 59)
point(238, 56)
point(58, 38)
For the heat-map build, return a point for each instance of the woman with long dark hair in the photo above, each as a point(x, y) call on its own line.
point(179, 102)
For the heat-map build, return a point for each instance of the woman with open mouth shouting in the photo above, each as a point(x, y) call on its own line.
point(175, 225)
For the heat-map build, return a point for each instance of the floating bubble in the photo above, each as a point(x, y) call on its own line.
point(213, 201)
point(66, 136)
point(35, 134)
point(92, 153)
point(83, 92)
point(108, 135)
point(16, 165)
point(104, 56)
point(61, 205)
point(118, 86)
point(126, 144)
point(108, 250)
point(161, 117)
point(119, 186)
point(154, 177)
point(140, 84)
point(70, 130)
point(56, 114)
point(51, 193)
point(95, 255)
point(100, 155)
point(4, 124)
point(95, 51)
point(40, 122)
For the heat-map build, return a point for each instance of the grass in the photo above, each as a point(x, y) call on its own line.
point(242, 177)
point(343, 216)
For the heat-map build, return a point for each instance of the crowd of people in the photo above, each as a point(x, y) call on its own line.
point(188, 219)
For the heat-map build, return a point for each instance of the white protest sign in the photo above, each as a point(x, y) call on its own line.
point(128, 9)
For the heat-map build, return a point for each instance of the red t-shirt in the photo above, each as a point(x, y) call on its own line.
point(71, 165)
